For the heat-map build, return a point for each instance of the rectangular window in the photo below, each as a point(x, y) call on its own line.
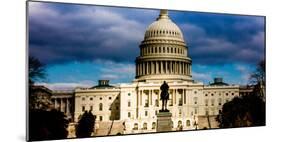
point(146, 103)
point(146, 113)
point(220, 101)
point(156, 103)
point(180, 102)
point(212, 102)
point(129, 114)
point(83, 108)
point(129, 104)
point(195, 100)
point(206, 102)
point(100, 118)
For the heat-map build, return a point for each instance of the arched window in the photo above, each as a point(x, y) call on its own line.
point(153, 125)
point(135, 126)
point(187, 123)
point(144, 126)
point(179, 125)
point(100, 106)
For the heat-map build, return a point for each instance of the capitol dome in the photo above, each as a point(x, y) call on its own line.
point(163, 52)
point(164, 27)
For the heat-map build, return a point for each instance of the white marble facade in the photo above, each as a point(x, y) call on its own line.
point(163, 57)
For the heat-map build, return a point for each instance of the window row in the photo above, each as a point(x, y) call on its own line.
point(151, 50)
point(160, 32)
point(153, 125)
point(83, 108)
point(226, 94)
point(91, 98)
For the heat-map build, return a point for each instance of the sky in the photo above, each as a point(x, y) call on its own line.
point(80, 44)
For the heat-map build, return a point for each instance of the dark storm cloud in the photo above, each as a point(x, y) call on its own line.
point(224, 39)
point(86, 33)
point(60, 33)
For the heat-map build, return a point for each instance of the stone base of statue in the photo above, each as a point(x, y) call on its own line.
point(164, 121)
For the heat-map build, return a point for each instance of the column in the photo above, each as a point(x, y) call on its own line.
point(61, 109)
point(151, 97)
point(56, 103)
point(189, 70)
point(161, 70)
point(158, 98)
point(142, 69)
point(165, 69)
point(139, 69)
point(173, 67)
point(170, 64)
point(67, 106)
point(184, 97)
point(141, 97)
point(151, 67)
point(176, 67)
point(147, 72)
point(157, 67)
point(185, 68)
point(180, 67)
point(175, 98)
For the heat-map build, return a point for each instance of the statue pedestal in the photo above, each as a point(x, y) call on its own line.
point(164, 122)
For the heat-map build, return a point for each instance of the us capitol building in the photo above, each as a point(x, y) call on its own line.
point(132, 108)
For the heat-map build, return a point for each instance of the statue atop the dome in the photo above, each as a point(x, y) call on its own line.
point(164, 96)
point(163, 14)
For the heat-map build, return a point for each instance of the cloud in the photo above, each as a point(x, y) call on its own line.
point(62, 33)
point(84, 34)
point(245, 45)
point(245, 73)
point(117, 71)
point(204, 76)
point(66, 86)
